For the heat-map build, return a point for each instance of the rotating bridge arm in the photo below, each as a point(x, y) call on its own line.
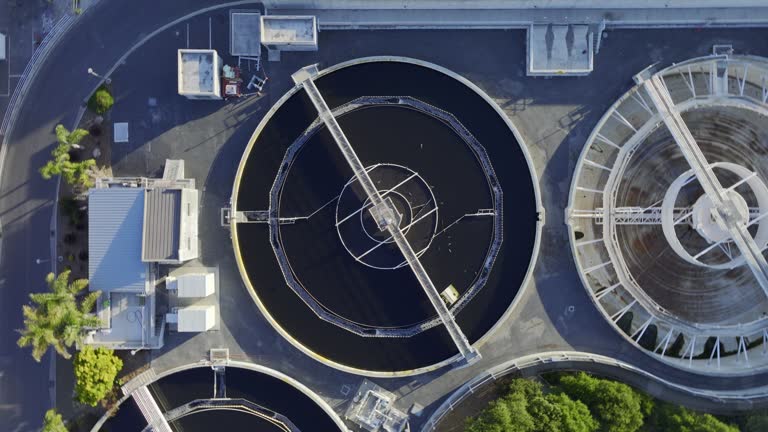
point(725, 209)
point(384, 213)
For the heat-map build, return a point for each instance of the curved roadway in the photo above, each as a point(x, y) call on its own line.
point(98, 40)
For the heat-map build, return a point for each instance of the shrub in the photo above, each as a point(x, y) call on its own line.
point(527, 409)
point(95, 130)
point(502, 415)
point(53, 422)
point(95, 371)
point(71, 209)
point(101, 101)
point(671, 418)
point(757, 423)
point(616, 406)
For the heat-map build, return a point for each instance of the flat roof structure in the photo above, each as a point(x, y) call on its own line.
point(196, 318)
point(126, 306)
point(162, 221)
point(289, 32)
point(114, 240)
point(192, 285)
point(198, 73)
point(555, 49)
point(245, 33)
point(135, 224)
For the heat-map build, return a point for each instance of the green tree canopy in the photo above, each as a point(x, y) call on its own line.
point(95, 372)
point(74, 173)
point(757, 423)
point(502, 416)
point(672, 418)
point(616, 406)
point(53, 422)
point(525, 408)
point(68, 140)
point(574, 415)
point(101, 101)
point(56, 318)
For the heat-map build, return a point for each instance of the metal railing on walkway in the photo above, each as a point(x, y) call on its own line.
point(386, 215)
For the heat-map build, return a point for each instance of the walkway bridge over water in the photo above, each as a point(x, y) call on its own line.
point(384, 212)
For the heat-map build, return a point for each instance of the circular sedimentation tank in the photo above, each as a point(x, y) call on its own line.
point(238, 396)
point(312, 252)
point(668, 237)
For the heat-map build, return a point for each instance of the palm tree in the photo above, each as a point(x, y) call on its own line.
point(56, 319)
point(69, 139)
point(74, 173)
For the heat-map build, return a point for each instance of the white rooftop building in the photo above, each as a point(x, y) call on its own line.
point(192, 285)
point(555, 50)
point(196, 318)
point(199, 73)
point(134, 224)
point(289, 33)
point(245, 33)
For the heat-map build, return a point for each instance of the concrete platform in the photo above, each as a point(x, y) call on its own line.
point(554, 118)
point(560, 50)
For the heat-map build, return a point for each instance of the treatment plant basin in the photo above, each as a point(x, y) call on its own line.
point(440, 161)
point(238, 396)
point(667, 214)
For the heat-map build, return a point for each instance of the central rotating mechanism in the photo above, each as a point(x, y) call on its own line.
point(705, 218)
point(409, 203)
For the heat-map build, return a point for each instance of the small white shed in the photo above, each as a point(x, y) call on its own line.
point(192, 285)
point(196, 318)
point(198, 73)
point(2, 46)
point(289, 32)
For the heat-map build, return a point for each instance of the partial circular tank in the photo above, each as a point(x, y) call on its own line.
point(238, 396)
point(667, 214)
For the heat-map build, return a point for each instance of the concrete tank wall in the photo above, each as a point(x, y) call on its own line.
point(508, 4)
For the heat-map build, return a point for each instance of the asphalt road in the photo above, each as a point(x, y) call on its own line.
point(97, 40)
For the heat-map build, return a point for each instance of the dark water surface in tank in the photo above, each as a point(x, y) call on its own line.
point(407, 138)
point(182, 387)
point(397, 139)
point(127, 419)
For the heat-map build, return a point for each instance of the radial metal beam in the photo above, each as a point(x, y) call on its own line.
point(726, 210)
point(152, 413)
point(384, 212)
point(652, 215)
